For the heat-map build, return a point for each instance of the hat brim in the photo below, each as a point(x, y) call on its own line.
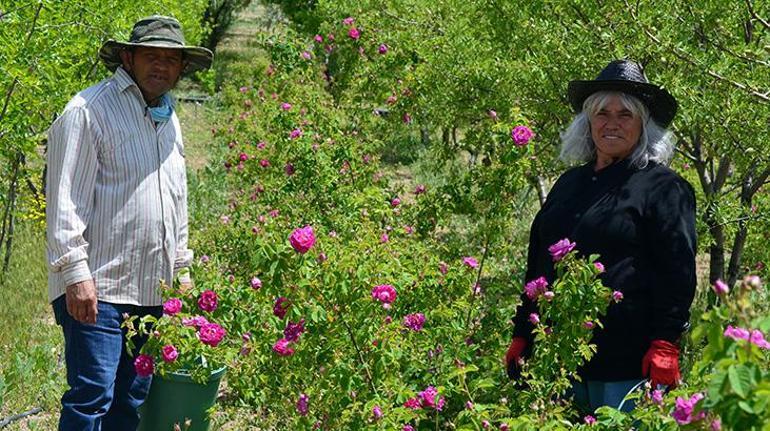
point(198, 58)
point(661, 103)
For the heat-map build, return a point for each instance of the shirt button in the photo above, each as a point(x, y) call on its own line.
point(577, 215)
point(593, 178)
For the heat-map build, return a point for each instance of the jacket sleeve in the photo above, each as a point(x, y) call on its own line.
point(184, 255)
point(70, 184)
point(672, 247)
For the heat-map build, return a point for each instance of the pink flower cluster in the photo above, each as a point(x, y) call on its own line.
point(561, 249)
point(211, 334)
point(208, 301)
point(302, 239)
point(755, 337)
point(196, 321)
point(536, 287)
point(683, 411)
point(427, 399)
point(521, 135)
point(385, 293)
point(414, 321)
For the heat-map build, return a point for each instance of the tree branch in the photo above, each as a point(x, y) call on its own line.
point(14, 418)
point(684, 56)
point(754, 15)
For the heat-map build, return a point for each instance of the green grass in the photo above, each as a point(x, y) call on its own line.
point(31, 344)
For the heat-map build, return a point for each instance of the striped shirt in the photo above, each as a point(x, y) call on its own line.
point(116, 196)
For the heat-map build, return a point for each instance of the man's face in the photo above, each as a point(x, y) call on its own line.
point(155, 70)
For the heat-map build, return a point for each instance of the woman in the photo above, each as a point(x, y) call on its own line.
point(624, 204)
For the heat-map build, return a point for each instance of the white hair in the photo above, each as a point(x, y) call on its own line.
point(656, 143)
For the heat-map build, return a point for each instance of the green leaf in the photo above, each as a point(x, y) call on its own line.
point(740, 380)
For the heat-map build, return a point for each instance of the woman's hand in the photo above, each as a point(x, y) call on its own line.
point(661, 363)
point(513, 359)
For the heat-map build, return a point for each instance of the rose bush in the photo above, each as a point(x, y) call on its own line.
point(357, 300)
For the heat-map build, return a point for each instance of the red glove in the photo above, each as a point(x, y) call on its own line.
point(661, 362)
point(513, 356)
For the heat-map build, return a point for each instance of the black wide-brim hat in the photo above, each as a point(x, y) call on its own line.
point(627, 77)
point(157, 32)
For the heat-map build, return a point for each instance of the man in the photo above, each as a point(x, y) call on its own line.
point(117, 217)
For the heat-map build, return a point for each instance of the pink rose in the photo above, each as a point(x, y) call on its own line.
point(211, 334)
point(412, 403)
point(521, 135)
point(256, 283)
point(720, 288)
point(470, 262)
point(302, 404)
point(144, 365)
point(282, 347)
point(617, 296)
point(294, 330)
point(208, 301)
point(430, 398)
point(383, 49)
point(536, 287)
point(354, 33)
point(385, 293)
point(285, 106)
point(395, 202)
point(280, 307)
point(684, 409)
point(534, 318)
point(599, 267)
point(414, 321)
point(561, 249)
point(169, 353)
point(296, 133)
point(172, 306)
point(196, 321)
point(302, 239)
point(348, 21)
point(318, 38)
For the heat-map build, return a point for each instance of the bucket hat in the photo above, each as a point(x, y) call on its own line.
point(628, 77)
point(158, 32)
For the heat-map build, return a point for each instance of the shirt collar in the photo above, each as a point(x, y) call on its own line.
point(612, 171)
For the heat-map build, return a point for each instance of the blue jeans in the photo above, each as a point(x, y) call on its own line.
point(105, 391)
point(590, 394)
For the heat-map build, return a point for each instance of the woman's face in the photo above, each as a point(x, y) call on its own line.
point(615, 130)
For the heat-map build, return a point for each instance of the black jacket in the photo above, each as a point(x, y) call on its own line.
point(642, 224)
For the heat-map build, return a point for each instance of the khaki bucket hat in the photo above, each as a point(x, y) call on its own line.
point(158, 32)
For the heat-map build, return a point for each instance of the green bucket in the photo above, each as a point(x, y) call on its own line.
point(175, 399)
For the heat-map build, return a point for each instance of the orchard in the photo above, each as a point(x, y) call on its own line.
point(371, 173)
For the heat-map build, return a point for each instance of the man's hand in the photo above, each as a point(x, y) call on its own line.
point(81, 301)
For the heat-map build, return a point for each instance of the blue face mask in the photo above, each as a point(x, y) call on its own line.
point(162, 113)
